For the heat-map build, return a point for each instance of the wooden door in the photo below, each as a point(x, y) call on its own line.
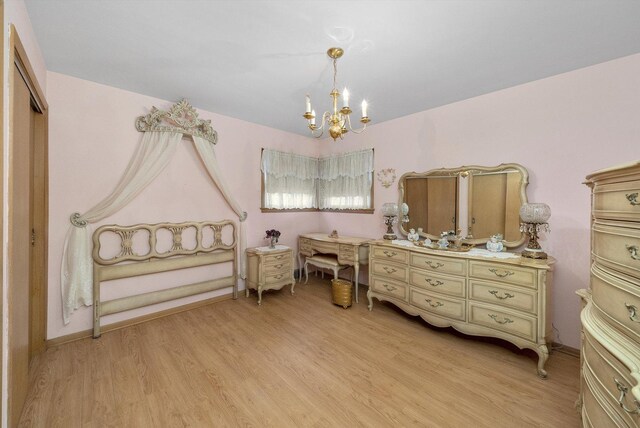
point(27, 226)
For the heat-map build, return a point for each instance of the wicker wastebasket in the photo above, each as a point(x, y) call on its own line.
point(341, 292)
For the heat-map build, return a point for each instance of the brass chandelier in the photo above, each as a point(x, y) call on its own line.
point(338, 121)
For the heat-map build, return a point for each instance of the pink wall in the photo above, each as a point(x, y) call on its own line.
point(560, 128)
point(92, 138)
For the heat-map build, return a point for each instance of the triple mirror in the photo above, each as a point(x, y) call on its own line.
point(478, 201)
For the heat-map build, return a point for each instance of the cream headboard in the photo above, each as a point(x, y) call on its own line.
point(129, 264)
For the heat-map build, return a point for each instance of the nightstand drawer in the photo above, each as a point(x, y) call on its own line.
point(284, 257)
point(282, 266)
point(439, 264)
point(504, 295)
point(504, 272)
point(274, 278)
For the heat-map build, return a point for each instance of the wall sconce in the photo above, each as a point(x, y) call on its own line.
point(390, 213)
point(534, 220)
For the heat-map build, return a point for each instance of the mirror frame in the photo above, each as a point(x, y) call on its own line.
point(464, 171)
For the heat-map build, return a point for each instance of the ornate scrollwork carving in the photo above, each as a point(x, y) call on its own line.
point(126, 243)
point(181, 118)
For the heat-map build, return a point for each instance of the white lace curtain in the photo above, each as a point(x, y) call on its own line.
point(345, 180)
point(290, 180)
point(151, 157)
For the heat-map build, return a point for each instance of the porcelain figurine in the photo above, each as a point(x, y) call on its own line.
point(413, 236)
point(495, 243)
point(443, 242)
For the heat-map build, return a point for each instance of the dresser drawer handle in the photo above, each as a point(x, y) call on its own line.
point(434, 265)
point(434, 305)
point(633, 251)
point(278, 257)
point(503, 321)
point(632, 198)
point(633, 312)
point(623, 391)
point(389, 287)
point(502, 274)
point(390, 253)
point(278, 266)
point(506, 295)
point(279, 276)
point(389, 270)
point(433, 283)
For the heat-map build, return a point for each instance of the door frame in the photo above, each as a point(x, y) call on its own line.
point(39, 186)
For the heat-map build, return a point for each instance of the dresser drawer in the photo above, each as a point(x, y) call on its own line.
point(618, 246)
point(278, 267)
point(437, 304)
point(504, 295)
point(611, 376)
point(387, 253)
point(439, 264)
point(451, 285)
point(277, 258)
point(389, 287)
point(389, 270)
point(598, 411)
point(617, 298)
point(497, 318)
point(618, 201)
point(505, 273)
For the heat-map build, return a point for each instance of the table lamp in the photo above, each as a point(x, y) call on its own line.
point(534, 220)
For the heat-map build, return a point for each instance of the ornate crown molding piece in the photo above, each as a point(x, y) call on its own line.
point(181, 117)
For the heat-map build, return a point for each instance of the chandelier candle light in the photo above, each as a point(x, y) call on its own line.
point(338, 120)
point(534, 220)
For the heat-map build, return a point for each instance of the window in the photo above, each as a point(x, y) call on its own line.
point(338, 182)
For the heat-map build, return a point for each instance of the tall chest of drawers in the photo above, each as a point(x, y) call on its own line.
point(610, 368)
point(505, 298)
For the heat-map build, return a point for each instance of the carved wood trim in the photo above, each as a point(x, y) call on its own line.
point(181, 118)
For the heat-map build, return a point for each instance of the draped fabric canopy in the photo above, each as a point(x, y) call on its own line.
point(153, 154)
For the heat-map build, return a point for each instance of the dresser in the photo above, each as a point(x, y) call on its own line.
point(507, 298)
point(269, 269)
point(610, 357)
point(350, 251)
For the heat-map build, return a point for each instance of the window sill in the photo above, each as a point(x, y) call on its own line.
point(299, 210)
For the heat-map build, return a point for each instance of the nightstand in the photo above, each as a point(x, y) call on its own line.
point(269, 269)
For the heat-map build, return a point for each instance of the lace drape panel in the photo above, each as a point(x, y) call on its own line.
point(345, 180)
point(290, 180)
point(152, 156)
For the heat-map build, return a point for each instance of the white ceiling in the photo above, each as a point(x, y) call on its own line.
point(256, 60)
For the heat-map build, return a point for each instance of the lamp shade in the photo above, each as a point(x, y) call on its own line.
point(390, 209)
point(535, 213)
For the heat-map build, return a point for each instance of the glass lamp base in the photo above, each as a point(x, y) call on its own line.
point(534, 254)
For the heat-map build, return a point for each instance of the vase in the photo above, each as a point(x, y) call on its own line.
point(273, 242)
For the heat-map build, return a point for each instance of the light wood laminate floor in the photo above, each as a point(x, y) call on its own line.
point(297, 361)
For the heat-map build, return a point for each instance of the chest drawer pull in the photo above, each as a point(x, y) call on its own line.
point(278, 266)
point(632, 198)
point(433, 265)
point(433, 283)
point(623, 391)
point(506, 295)
point(278, 257)
point(279, 276)
point(389, 287)
point(501, 274)
point(390, 253)
point(434, 305)
point(633, 250)
point(389, 270)
point(633, 312)
point(503, 321)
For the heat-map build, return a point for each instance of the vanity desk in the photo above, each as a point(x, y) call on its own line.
point(502, 295)
point(350, 251)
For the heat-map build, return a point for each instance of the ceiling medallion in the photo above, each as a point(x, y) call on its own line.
point(338, 122)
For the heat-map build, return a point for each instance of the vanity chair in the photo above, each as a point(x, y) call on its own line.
point(327, 262)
